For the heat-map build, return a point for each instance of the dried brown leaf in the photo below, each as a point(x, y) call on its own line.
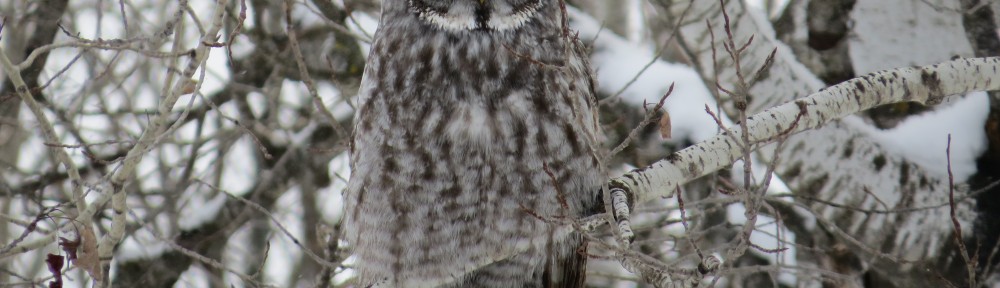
point(190, 87)
point(665, 126)
point(83, 251)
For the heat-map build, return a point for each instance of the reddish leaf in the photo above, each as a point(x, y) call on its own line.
point(82, 251)
point(55, 263)
point(70, 247)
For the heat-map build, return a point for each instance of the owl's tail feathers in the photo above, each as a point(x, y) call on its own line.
point(568, 270)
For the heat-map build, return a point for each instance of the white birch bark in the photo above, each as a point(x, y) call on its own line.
point(927, 85)
point(898, 33)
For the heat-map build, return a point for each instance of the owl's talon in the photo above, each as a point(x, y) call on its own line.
point(709, 265)
point(622, 211)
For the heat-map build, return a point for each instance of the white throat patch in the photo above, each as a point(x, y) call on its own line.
point(467, 20)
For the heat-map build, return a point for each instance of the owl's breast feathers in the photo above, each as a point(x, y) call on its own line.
point(455, 137)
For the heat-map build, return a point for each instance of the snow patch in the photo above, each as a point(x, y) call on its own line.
point(923, 138)
point(619, 62)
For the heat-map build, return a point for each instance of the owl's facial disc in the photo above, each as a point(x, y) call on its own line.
point(476, 15)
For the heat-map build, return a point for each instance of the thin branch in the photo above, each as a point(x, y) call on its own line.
point(304, 72)
point(48, 131)
point(970, 265)
point(918, 84)
point(149, 137)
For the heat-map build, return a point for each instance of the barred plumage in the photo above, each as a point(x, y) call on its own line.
point(464, 107)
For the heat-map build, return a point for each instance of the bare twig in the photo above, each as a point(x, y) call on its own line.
point(649, 118)
point(970, 264)
point(48, 131)
point(304, 72)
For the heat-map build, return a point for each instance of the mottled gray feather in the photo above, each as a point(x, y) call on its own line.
point(457, 122)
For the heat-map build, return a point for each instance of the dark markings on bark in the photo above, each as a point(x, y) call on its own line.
point(879, 162)
point(848, 149)
point(828, 23)
point(933, 83)
point(693, 169)
point(904, 174)
point(793, 170)
point(813, 186)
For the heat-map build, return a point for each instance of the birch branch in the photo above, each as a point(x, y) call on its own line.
point(928, 85)
point(48, 131)
point(841, 163)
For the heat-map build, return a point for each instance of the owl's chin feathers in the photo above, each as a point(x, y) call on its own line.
point(486, 15)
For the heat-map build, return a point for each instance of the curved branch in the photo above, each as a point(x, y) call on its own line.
point(816, 160)
point(928, 85)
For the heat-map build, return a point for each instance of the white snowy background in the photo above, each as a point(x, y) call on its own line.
point(616, 59)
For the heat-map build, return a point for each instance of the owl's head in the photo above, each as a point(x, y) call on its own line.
point(473, 15)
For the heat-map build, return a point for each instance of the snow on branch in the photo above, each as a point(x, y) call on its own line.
point(928, 85)
point(844, 163)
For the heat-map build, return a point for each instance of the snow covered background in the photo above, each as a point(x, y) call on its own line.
point(617, 59)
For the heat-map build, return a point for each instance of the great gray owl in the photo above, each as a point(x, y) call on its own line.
point(465, 108)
